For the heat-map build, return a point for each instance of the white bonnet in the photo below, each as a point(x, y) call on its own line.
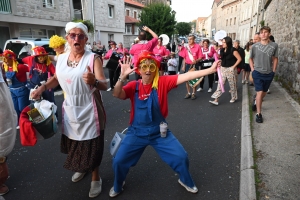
point(71, 25)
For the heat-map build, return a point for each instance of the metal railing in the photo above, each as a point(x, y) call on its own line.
point(5, 6)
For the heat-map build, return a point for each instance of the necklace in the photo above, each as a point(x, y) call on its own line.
point(72, 64)
point(146, 94)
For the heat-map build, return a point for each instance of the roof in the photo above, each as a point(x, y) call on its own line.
point(130, 20)
point(134, 3)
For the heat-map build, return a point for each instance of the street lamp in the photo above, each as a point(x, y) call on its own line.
point(173, 13)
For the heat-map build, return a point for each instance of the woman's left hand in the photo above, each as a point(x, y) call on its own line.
point(88, 77)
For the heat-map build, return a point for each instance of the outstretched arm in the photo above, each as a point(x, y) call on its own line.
point(196, 74)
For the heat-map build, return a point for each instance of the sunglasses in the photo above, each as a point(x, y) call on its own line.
point(151, 67)
point(79, 36)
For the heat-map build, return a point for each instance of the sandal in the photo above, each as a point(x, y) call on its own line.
point(3, 190)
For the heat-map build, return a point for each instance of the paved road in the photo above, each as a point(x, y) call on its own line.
point(210, 134)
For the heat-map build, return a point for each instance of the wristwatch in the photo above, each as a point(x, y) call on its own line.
point(3, 159)
point(96, 84)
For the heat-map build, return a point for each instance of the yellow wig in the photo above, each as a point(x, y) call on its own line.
point(9, 54)
point(56, 41)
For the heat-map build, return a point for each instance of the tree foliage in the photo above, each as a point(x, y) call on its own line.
point(88, 24)
point(159, 17)
point(183, 28)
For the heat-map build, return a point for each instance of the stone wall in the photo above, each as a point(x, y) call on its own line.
point(103, 22)
point(35, 9)
point(283, 17)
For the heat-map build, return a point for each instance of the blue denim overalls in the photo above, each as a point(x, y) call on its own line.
point(145, 131)
point(36, 78)
point(19, 93)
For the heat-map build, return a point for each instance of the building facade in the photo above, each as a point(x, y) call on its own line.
point(207, 27)
point(230, 17)
point(132, 11)
point(200, 30)
point(109, 20)
point(33, 18)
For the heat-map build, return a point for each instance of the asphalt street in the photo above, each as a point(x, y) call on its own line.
point(210, 134)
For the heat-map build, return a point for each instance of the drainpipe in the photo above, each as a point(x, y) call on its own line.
point(93, 19)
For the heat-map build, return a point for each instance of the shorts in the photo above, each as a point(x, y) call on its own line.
point(261, 81)
point(247, 67)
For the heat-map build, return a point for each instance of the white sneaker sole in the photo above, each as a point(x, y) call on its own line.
point(188, 188)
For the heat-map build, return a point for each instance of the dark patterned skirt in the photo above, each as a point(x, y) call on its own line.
point(83, 156)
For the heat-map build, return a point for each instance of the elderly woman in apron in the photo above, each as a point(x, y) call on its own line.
point(80, 75)
point(149, 102)
point(16, 79)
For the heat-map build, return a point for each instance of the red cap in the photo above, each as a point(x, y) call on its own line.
point(39, 51)
point(9, 54)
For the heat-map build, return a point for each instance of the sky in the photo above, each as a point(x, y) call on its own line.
point(189, 10)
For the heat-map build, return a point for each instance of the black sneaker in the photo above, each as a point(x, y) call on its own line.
point(254, 105)
point(259, 118)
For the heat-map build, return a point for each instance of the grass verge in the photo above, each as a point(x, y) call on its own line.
point(256, 154)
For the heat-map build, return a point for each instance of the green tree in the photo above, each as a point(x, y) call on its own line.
point(159, 17)
point(183, 28)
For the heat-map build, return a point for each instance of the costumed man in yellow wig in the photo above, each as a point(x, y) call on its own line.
point(58, 44)
point(148, 126)
point(16, 80)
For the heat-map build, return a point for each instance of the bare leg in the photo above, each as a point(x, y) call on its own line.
point(95, 174)
point(259, 97)
point(187, 87)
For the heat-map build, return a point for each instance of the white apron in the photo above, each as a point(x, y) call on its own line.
point(80, 116)
point(8, 119)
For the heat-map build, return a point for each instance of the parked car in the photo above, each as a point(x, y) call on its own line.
point(22, 47)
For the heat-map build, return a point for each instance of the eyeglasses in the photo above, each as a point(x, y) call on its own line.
point(151, 67)
point(79, 36)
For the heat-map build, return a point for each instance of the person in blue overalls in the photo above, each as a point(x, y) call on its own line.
point(16, 80)
point(41, 69)
point(149, 109)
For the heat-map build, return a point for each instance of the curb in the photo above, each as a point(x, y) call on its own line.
point(247, 181)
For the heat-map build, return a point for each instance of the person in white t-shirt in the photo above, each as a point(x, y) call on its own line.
point(172, 64)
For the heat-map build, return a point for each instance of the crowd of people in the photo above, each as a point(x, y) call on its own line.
point(79, 72)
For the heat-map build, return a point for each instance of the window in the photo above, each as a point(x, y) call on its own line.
point(127, 12)
point(231, 9)
point(128, 29)
point(110, 11)
point(234, 21)
point(36, 32)
point(235, 8)
point(48, 3)
point(226, 22)
point(111, 37)
point(5, 6)
point(134, 14)
point(230, 21)
point(227, 10)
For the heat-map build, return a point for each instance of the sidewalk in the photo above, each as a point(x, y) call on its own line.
point(277, 141)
